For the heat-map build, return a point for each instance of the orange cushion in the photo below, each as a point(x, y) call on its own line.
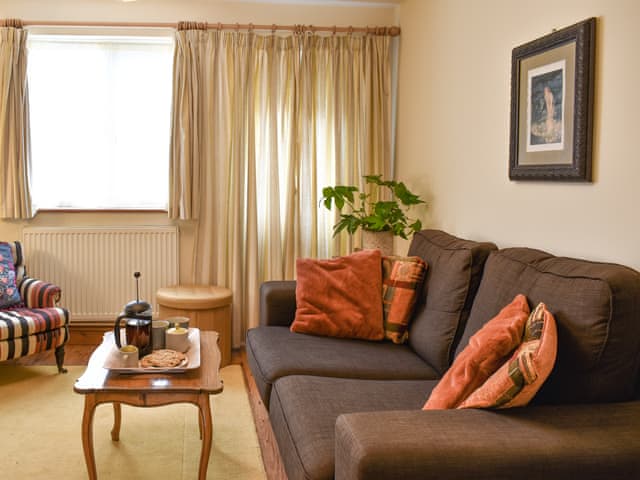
point(402, 278)
point(485, 353)
point(341, 297)
point(516, 382)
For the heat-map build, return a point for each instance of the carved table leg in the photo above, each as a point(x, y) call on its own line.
point(87, 435)
point(117, 417)
point(207, 431)
point(60, 359)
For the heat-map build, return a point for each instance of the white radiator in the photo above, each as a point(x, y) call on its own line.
point(94, 266)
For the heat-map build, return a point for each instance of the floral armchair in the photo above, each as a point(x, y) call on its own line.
point(30, 321)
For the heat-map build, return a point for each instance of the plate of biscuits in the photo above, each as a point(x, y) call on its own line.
point(158, 361)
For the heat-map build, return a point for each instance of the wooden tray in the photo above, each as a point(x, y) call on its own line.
point(113, 364)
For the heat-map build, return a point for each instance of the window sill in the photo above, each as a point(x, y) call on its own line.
point(102, 210)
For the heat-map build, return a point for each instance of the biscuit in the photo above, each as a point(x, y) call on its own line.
point(163, 358)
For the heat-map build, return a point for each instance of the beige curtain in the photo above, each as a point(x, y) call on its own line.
point(273, 119)
point(15, 197)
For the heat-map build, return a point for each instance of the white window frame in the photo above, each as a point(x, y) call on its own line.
point(135, 158)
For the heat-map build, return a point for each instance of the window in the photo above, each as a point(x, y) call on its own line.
point(100, 109)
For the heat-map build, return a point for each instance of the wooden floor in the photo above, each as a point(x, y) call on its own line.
point(79, 355)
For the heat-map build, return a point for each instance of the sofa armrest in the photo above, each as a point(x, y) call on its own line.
point(545, 442)
point(277, 303)
point(39, 294)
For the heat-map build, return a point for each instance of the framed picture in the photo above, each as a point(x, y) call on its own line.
point(552, 106)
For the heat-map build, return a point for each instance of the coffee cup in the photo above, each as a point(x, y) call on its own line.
point(177, 338)
point(158, 331)
point(128, 355)
point(178, 322)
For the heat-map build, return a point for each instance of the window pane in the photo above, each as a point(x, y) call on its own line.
point(100, 120)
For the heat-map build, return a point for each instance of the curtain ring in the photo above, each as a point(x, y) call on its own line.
point(237, 27)
point(311, 30)
point(350, 30)
point(250, 27)
point(273, 28)
point(333, 30)
point(219, 26)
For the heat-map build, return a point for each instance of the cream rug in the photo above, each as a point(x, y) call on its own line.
point(40, 422)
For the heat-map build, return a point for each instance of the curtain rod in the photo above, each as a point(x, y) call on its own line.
point(392, 31)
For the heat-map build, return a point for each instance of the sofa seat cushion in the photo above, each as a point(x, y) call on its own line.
point(275, 352)
point(597, 311)
point(450, 284)
point(30, 344)
point(305, 408)
point(22, 322)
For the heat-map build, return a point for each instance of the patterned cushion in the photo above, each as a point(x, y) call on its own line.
point(402, 279)
point(517, 381)
point(9, 293)
point(21, 322)
point(18, 260)
point(486, 351)
point(40, 342)
point(341, 297)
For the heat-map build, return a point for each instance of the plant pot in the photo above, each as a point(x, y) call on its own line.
point(380, 240)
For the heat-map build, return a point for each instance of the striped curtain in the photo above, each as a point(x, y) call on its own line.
point(15, 196)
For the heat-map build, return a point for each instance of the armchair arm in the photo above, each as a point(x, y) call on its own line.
point(544, 442)
point(39, 294)
point(277, 303)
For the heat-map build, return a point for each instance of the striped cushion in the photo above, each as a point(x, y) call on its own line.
point(402, 278)
point(21, 322)
point(21, 346)
point(518, 380)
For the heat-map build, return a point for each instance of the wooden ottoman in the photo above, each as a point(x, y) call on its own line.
point(208, 308)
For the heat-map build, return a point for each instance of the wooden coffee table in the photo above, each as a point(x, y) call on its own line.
point(99, 385)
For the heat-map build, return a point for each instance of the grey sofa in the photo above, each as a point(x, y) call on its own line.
point(351, 409)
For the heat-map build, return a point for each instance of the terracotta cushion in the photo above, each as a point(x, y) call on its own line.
point(340, 297)
point(485, 353)
point(516, 382)
point(402, 279)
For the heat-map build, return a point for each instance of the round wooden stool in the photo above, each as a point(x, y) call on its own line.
point(208, 308)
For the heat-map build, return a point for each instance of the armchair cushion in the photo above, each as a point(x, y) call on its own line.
point(9, 293)
point(20, 322)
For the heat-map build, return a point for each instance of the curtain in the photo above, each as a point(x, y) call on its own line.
point(261, 124)
point(15, 196)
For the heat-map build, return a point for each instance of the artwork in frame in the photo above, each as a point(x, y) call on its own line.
point(552, 84)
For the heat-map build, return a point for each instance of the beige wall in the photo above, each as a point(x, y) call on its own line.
point(453, 126)
point(171, 11)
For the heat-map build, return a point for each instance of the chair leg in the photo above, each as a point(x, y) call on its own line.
point(60, 359)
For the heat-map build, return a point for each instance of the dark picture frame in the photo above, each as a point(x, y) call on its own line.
point(552, 86)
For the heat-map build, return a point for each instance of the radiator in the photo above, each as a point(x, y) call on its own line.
point(94, 266)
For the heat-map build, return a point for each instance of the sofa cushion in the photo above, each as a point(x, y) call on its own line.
point(304, 410)
point(451, 281)
point(340, 297)
point(597, 311)
point(275, 352)
point(402, 279)
point(516, 382)
point(485, 353)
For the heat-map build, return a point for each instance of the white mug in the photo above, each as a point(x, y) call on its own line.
point(177, 339)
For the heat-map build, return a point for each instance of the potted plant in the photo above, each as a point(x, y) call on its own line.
point(371, 213)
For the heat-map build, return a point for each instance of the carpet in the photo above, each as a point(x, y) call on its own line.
point(40, 424)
